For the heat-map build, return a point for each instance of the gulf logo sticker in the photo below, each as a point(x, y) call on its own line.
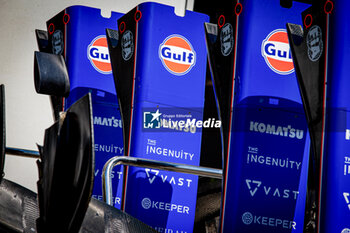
point(177, 55)
point(276, 52)
point(97, 53)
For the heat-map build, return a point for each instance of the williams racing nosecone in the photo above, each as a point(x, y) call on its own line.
point(159, 67)
point(264, 130)
point(319, 46)
point(74, 50)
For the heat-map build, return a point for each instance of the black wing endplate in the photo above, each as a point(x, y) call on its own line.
point(66, 170)
point(50, 73)
point(308, 46)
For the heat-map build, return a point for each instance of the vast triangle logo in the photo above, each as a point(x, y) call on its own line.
point(151, 174)
point(347, 199)
point(253, 186)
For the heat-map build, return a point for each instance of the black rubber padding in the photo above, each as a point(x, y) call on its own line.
point(50, 74)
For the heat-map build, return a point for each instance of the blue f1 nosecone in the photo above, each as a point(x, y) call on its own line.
point(160, 75)
point(266, 175)
point(78, 33)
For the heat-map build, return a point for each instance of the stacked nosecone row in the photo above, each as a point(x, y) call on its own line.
point(159, 66)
